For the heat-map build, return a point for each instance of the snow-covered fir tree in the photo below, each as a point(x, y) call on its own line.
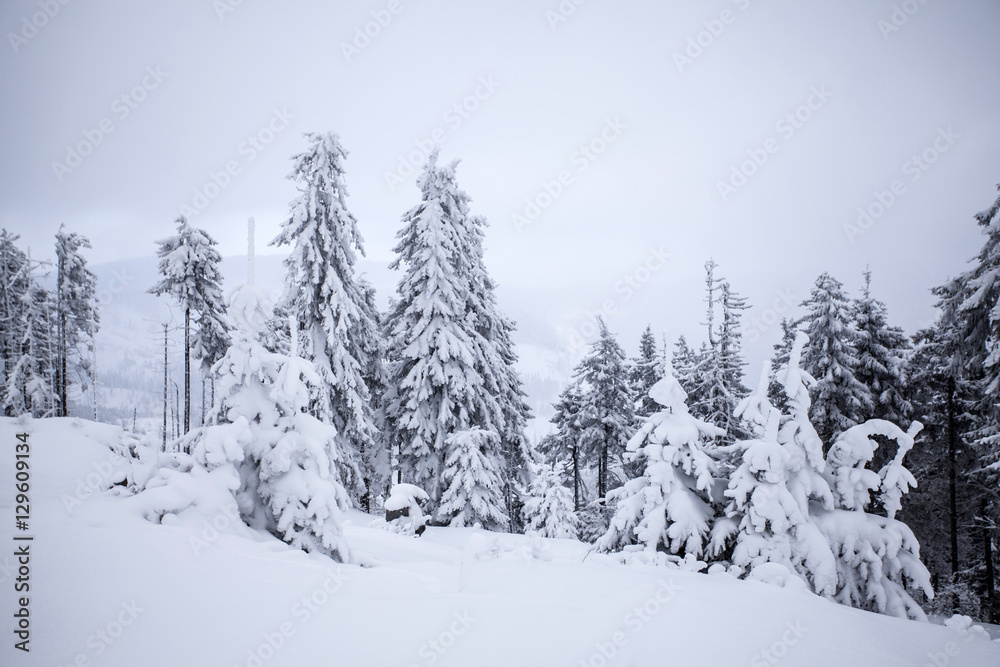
point(287, 479)
point(877, 557)
point(563, 449)
point(497, 356)
point(840, 400)
point(14, 272)
point(339, 330)
point(438, 355)
point(881, 351)
point(807, 514)
point(473, 490)
point(30, 383)
point(189, 264)
point(376, 468)
point(76, 316)
point(716, 378)
point(670, 507)
point(972, 299)
point(606, 412)
point(645, 370)
point(779, 359)
point(731, 361)
point(549, 507)
point(943, 509)
point(769, 523)
point(685, 360)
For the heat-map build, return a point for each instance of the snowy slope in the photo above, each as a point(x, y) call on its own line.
point(109, 589)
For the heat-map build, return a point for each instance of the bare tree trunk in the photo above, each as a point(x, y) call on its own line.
point(187, 369)
point(991, 603)
point(177, 411)
point(164, 387)
point(953, 489)
point(576, 480)
point(952, 477)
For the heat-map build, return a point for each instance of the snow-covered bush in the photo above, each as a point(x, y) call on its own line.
point(261, 448)
point(670, 507)
point(473, 491)
point(875, 554)
point(808, 515)
point(548, 505)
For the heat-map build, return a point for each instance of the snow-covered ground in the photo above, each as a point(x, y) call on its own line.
point(110, 588)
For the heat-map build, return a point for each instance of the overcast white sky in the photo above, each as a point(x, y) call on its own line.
point(677, 132)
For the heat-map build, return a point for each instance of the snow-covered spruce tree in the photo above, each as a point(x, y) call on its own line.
point(14, 271)
point(564, 448)
point(974, 298)
point(13, 288)
point(645, 370)
point(731, 361)
point(832, 359)
point(497, 357)
point(942, 510)
point(684, 362)
point(339, 330)
point(436, 385)
point(76, 315)
point(549, 506)
point(670, 507)
point(771, 528)
point(189, 264)
point(881, 351)
point(877, 556)
point(606, 413)
point(717, 377)
point(779, 359)
point(473, 490)
point(807, 513)
point(30, 385)
point(288, 480)
point(376, 467)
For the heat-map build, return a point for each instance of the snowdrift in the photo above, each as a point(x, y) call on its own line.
point(110, 588)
